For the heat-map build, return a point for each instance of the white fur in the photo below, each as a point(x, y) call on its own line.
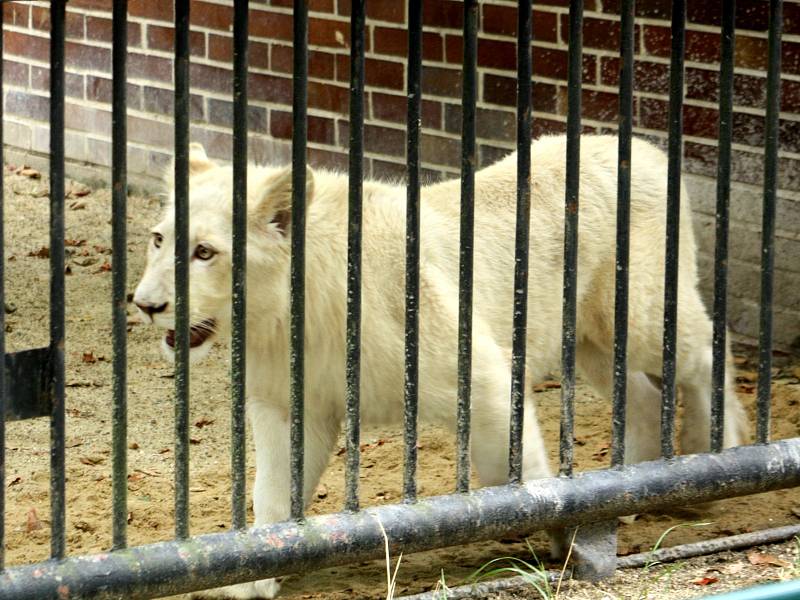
point(383, 306)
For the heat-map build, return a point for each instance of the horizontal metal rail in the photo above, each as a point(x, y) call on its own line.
point(323, 541)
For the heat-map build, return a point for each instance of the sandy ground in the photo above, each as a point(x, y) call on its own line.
point(151, 421)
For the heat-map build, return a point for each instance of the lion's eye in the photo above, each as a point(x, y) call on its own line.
point(204, 252)
point(157, 239)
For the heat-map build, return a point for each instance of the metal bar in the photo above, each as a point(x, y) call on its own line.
point(297, 289)
point(673, 227)
point(719, 343)
point(623, 235)
point(731, 542)
point(468, 164)
point(356, 186)
point(168, 568)
point(411, 392)
point(239, 283)
point(181, 268)
point(768, 220)
point(2, 338)
point(569, 312)
point(119, 211)
point(522, 239)
point(57, 326)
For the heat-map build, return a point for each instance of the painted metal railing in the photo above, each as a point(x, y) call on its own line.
point(32, 383)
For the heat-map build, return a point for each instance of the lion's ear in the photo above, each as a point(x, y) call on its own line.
point(198, 159)
point(273, 204)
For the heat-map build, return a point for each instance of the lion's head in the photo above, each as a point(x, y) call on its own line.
point(210, 250)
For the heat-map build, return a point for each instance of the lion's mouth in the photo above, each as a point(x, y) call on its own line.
point(198, 333)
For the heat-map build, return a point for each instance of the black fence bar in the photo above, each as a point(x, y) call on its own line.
point(522, 238)
point(411, 392)
point(623, 234)
point(768, 220)
point(566, 444)
point(721, 225)
point(297, 289)
point(57, 328)
point(356, 186)
point(168, 568)
point(673, 227)
point(119, 248)
point(239, 282)
point(181, 268)
point(468, 164)
point(2, 339)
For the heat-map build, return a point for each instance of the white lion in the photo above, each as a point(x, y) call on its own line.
point(268, 256)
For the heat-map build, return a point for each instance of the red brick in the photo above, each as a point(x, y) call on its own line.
point(328, 97)
point(327, 32)
point(212, 16)
point(150, 132)
point(159, 11)
point(269, 88)
point(751, 53)
point(791, 18)
point(220, 112)
point(587, 5)
point(697, 121)
point(488, 155)
point(221, 48)
point(440, 150)
point(790, 58)
point(74, 25)
point(89, 119)
point(320, 64)
point(385, 74)
point(394, 12)
point(276, 26)
point(395, 42)
point(15, 73)
point(443, 13)
point(313, 5)
point(147, 66)
point(29, 46)
point(600, 106)
point(213, 79)
point(99, 29)
point(654, 9)
point(98, 89)
point(701, 46)
point(497, 54)
point(163, 38)
point(325, 159)
point(441, 82)
point(789, 135)
point(73, 82)
point(647, 76)
point(490, 124)
point(553, 64)
point(543, 126)
point(320, 129)
point(16, 13)
point(27, 105)
point(502, 20)
point(385, 170)
point(162, 101)
point(395, 108)
point(87, 57)
point(91, 4)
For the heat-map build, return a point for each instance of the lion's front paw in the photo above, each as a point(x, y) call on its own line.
point(254, 590)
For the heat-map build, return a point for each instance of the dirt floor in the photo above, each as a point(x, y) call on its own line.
point(151, 421)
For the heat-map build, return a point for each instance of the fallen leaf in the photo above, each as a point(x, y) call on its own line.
point(601, 452)
point(340, 451)
point(43, 252)
point(322, 491)
point(705, 581)
point(88, 357)
point(133, 446)
point(746, 376)
point(91, 460)
point(84, 526)
point(15, 481)
point(102, 249)
point(78, 190)
point(757, 558)
point(165, 450)
point(67, 270)
point(194, 441)
point(10, 308)
point(104, 268)
point(33, 521)
point(130, 518)
point(77, 205)
point(203, 422)
point(29, 172)
point(547, 385)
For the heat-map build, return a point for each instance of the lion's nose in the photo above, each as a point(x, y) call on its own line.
point(150, 308)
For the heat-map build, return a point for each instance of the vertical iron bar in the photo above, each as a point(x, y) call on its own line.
point(768, 221)
point(522, 238)
point(2, 341)
point(722, 216)
point(468, 100)
point(623, 235)
point(354, 251)
point(673, 228)
point(566, 445)
point(300, 97)
point(181, 268)
point(239, 291)
point(119, 199)
point(57, 327)
point(412, 250)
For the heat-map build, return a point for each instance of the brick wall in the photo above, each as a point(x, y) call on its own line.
point(88, 84)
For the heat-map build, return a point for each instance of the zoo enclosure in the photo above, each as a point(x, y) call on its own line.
point(33, 381)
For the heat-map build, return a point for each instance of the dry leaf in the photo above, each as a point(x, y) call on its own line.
point(78, 190)
point(130, 518)
point(43, 252)
point(705, 581)
point(29, 172)
point(194, 441)
point(757, 558)
point(203, 422)
point(91, 460)
point(77, 205)
point(84, 526)
point(165, 450)
point(746, 377)
point(88, 357)
point(547, 385)
point(133, 446)
point(15, 481)
point(322, 491)
point(33, 521)
point(104, 268)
